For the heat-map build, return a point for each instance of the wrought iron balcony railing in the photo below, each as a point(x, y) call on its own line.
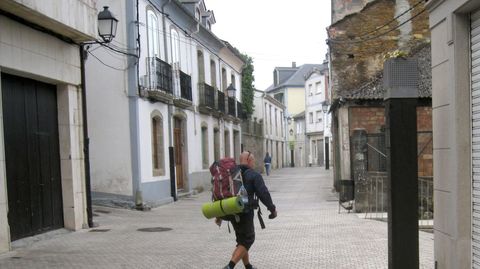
point(231, 107)
point(159, 75)
point(221, 101)
point(207, 95)
point(241, 114)
point(185, 86)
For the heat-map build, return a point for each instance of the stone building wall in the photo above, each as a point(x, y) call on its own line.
point(357, 57)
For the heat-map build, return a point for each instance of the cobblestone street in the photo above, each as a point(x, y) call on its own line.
point(308, 233)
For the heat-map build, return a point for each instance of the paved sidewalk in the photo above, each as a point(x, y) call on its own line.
point(308, 233)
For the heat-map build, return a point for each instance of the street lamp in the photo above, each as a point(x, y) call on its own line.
point(231, 91)
point(325, 106)
point(107, 25)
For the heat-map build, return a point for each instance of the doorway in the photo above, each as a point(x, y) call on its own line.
point(180, 151)
point(32, 156)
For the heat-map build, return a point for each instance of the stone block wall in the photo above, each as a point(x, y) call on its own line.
point(356, 56)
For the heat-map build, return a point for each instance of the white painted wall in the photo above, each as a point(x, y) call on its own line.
point(108, 113)
point(314, 102)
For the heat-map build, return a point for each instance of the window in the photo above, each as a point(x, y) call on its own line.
point(276, 124)
point(310, 92)
point(232, 79)
point(201, 67)
point(213, 74)
point(318, 89)
point(158, 163)
point(197, 14)
point(224, 81)
point(175, 39)
point(310, 116)
point(152, 35)
point(319, 116)
point(271, 125)
point(205, 161)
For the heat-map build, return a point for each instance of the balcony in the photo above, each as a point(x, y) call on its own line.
point(158, 82)
point(207, 97)
point(185, 100)
point(231, 107)
point(221, 102)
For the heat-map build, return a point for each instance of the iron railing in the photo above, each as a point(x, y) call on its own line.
point(185, 86)
point(231, 107)
point(252, 127)
point(375, 192)
point(207, 95)
point(241, 113)
point(221, 101)
point(159, 75)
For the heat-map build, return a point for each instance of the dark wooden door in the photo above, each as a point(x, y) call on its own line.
point(178, 156)
point(32, 156)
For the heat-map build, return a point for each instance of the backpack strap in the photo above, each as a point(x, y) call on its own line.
point(260, 219)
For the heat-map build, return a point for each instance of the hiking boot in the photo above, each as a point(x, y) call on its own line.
point(226, 267)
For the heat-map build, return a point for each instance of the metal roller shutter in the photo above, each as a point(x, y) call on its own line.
point(475, 53)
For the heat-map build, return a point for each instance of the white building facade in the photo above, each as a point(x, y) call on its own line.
point(317, 121)
point(172, 113)
point(42, 178)
point(272, 113)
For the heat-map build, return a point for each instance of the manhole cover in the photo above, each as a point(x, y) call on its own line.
point(102, 211)
point(15, 258)
point(99, 230)
point(154, 229)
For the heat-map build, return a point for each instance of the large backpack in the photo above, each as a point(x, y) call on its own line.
point(226, 179)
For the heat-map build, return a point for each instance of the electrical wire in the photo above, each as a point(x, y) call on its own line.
point(384, 25)
point(381, 34)
point(102, 62)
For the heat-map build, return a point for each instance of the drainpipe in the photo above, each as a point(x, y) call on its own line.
point(132, 93)
point(173, 186)
point(86, 141)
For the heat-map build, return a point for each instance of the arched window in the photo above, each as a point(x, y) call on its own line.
point(175, 39)
point(232, 79)
point(201, 66)
point(158, 152)
point(205, 161)
point(197, 14)
point(152, 34)
point(224, 80)
point(213, 73)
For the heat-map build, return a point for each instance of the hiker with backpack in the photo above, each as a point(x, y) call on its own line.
point(243, 222)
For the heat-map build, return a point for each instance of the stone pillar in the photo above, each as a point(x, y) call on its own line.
point(71, 157)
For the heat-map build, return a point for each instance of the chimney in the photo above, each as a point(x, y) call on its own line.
point(294, 64)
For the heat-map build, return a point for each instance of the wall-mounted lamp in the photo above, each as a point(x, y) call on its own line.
point(325, 106)
point(231, 91)
point(107, 25)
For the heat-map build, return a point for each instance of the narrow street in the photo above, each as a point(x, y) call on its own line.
point(308, 233)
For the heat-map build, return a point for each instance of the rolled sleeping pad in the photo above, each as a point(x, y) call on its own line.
point(229, 206)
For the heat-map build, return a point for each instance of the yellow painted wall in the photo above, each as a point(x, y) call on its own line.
point(295, 100)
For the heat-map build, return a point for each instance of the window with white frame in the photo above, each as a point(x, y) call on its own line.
point(310, 86)
point(318, 88)
point(152, 34)
point(205, 161)
point(197, 14)
point(319, 116)
point(310, 117)
point(175, 40)
point(158, 158)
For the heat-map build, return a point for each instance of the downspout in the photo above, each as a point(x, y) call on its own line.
point(86, 141)
point(132, 93)
point(173, 188)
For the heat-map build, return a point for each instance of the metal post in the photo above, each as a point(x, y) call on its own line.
point(327, 153)
point(400, 81)
point(173, 190)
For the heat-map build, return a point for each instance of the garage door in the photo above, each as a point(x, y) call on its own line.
point(32, 156)
point(475, 54)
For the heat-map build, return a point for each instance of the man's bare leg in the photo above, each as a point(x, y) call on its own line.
point(240, 253)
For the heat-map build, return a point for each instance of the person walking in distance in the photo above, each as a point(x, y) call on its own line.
point(268, 162)
point(244, 228)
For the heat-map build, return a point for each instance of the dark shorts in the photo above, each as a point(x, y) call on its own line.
point(244, 230)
